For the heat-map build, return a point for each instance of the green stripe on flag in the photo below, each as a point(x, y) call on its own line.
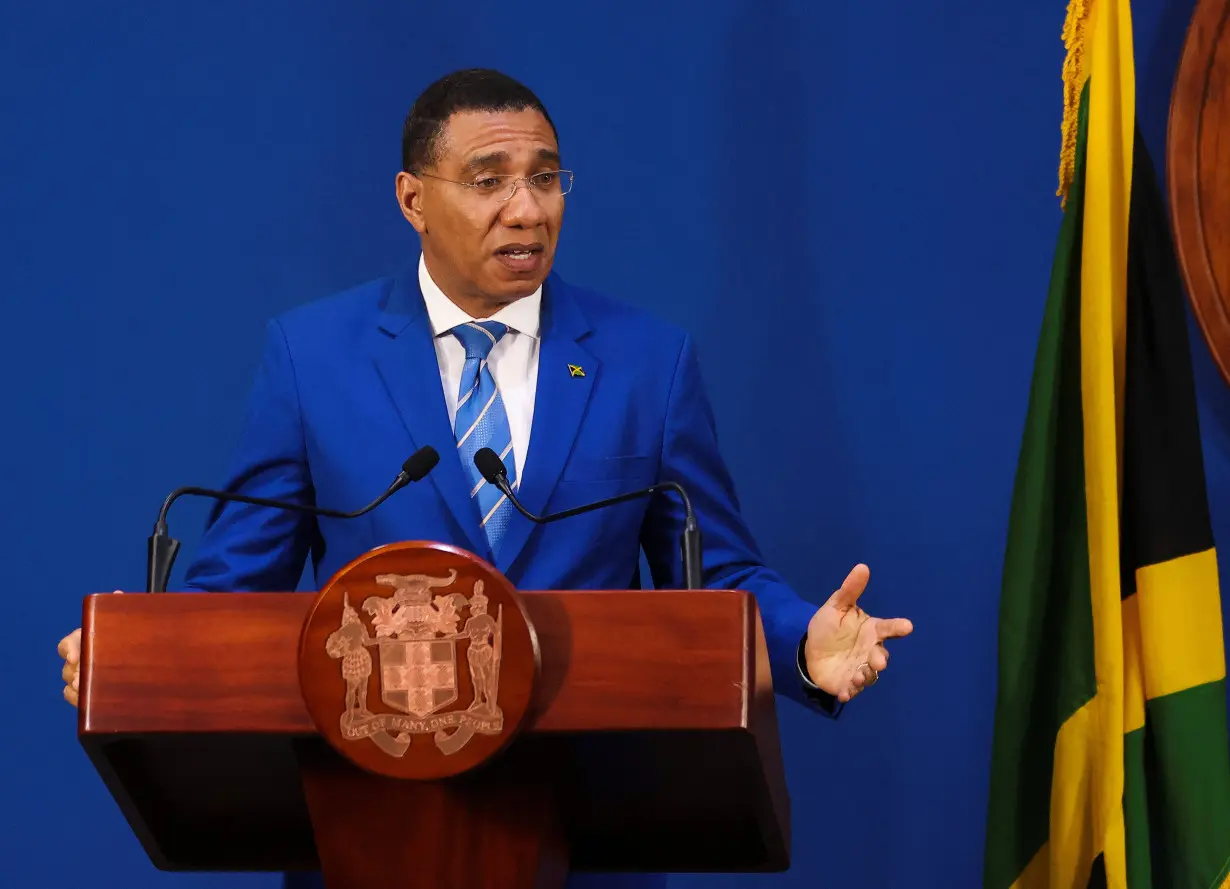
point(1185, 748)
point(1046, 667)
point(1136, 811)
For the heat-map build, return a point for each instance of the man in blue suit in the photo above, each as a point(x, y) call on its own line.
point(480, 345)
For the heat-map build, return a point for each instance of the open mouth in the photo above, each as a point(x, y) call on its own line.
point(520, 257)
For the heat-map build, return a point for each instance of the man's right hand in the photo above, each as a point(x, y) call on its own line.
point(70, 650)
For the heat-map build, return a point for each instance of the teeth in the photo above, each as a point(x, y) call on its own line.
point(519, 254)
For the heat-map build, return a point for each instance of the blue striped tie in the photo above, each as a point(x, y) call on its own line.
point(481, 422)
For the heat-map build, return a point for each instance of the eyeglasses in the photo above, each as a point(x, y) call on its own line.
point(549, 183)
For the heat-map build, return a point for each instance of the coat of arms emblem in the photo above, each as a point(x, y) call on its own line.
point(416, 635)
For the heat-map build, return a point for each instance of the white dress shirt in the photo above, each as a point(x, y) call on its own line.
point(513, 360)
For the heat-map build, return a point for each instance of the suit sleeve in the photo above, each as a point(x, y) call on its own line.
point(255, 548)
point(731, 558)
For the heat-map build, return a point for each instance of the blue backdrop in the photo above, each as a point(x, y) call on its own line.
point(879, 177)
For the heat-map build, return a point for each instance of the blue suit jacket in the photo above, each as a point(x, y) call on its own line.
point(349, 387)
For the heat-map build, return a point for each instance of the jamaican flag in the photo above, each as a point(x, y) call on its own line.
point(1110, 764)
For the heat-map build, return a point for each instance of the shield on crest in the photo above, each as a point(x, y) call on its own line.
point(418, 677)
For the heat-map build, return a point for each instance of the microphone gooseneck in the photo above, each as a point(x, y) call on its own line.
point(495, 472)
point(162, 548)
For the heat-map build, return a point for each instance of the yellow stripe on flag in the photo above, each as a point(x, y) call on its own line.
point(1133, 680)
point(1066, 859)
point(1075, 834)
point(1107, 197)
point(1180, 624)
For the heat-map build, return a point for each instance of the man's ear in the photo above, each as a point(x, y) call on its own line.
point(410, 200)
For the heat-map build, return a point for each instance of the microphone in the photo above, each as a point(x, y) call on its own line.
point(163, 548)
point(496, 473)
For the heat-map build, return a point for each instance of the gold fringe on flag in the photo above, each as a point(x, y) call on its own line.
point(1075, 73)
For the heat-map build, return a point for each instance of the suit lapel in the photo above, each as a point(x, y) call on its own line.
point(559, 405)
point(405, 357)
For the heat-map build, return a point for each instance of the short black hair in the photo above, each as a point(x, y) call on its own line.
point(472, 89)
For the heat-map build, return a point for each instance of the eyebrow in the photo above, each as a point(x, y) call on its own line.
point(495, 158)
point(486, 160)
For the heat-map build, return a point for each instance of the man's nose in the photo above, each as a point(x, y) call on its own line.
point(524, 209)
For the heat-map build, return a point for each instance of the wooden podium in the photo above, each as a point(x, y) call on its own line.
point(420, 723)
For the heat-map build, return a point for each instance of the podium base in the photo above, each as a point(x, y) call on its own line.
point(494, 828)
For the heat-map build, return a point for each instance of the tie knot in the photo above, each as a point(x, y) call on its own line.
point(479, 336)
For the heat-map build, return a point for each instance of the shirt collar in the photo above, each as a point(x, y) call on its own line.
point(521, 316)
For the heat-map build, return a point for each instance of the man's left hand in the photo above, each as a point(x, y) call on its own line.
point(845, 650)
